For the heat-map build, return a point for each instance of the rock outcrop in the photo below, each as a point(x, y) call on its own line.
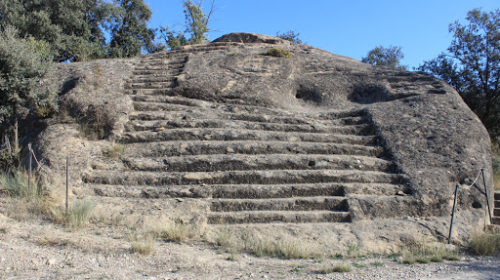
point(308, 138)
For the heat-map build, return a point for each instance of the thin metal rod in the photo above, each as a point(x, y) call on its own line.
point(67, 184)
point(453, 214)
point(486, 193)
point(29, 168)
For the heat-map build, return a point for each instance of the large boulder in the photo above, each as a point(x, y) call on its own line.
point(243, 85)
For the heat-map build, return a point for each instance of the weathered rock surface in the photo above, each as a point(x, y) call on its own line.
point(311, 138)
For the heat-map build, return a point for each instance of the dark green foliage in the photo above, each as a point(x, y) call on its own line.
point(172, 39)
point(471, 65)
point(291, 36)
point(129, 31)
point(8, 160)
point(388, 57)
point(95, 123)
point(73, 28)
point(24, 64)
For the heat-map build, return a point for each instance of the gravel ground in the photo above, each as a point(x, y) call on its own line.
point(32, 248)
point(29, 258)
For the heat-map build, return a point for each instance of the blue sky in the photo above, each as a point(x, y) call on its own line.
point(349, 28)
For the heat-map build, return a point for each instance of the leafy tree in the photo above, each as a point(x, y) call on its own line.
point(129, 31)
point(196, 21)
point(471, 65)
point(73, 28)
point(196, 27)
point(291, 36)
point(388, 57)
point(23, 66)
point(172, 39)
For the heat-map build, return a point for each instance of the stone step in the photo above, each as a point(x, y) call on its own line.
point(381, 207)
point(227, 162)
point(496, 212)
point(280, 204)
point(154, 91)
point(236, 109)
point(151, 68)
point(200, 147)
point(178, 62)
point(236, 134)
point(496, 196)
point(246, 190)
point(150, 85)
point(141, 207)
point(240, 177)
point(171, 100)
point(496, 220)
point(496, 203)
point(136, 79)
point(360, 129)
point(189, 50)
point(167, 71)
point(179, 115)
point(249, 217)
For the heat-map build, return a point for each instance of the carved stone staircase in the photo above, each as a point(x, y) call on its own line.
point(253, 164)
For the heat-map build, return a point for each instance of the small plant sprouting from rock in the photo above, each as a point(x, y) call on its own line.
point(278, 52)
point(113, 151)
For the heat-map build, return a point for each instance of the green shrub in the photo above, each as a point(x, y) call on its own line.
point(278, 52)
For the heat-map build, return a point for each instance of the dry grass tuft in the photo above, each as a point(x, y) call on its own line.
point(15, 184)
point(169, 229)
point(423, 252)
point(144, 246)
point(485, 244)
point(339, 268)
point(113, 151)
point(253, 243)
point(57, 242)
point(78, 214)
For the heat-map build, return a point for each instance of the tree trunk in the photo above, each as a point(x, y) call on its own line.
point(16, 128)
